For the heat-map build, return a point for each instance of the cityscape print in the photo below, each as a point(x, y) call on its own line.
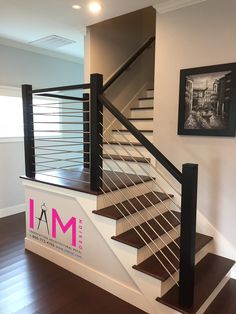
point(207, 101)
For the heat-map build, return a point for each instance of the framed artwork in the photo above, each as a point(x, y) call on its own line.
point(207, 101)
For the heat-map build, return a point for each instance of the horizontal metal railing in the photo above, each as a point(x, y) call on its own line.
point(57, 136)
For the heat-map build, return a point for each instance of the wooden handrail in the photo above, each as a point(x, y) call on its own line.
point(60, 88)
point(127, 64)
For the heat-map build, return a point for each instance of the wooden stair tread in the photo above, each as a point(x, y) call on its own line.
point(225, 302)
point(79, 179)
point(148, 131)
point(146, 98)
point(140, 119)
point(132, 238)
point(154, 268)
point(125, 207)
point(126, 158)
point(122, 143)
point(121, 180)
point(142, 108)
point(209, 272)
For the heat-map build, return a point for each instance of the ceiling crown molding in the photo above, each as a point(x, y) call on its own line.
point(172, 5)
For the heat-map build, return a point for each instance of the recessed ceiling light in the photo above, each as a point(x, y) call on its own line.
point(76, 6)
point(95, 7)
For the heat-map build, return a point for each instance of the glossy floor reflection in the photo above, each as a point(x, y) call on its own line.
point(30, 284)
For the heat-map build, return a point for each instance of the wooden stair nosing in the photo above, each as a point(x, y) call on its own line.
point(142, 108)
point(154, 268)
point(140, 119)
point(113, 213)
point(142, 131)
point(209, 272)
point(225, 302)
point(132, 238)
point(146, 98)
point(122, 143)
point(127, 158)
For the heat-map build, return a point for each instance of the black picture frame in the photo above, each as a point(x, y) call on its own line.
point(207, 101)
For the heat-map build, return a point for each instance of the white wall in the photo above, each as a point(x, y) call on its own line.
point(24, 67)
point(114, 40)
point(199, 35)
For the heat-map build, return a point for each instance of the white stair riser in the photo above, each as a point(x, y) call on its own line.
point(127, 166)
point(169, 283)
point(125, 224)
point(143, 113)
point(158, 244)
point(126, 150)
point(141, 124)
point(118, 196)
point(150, 93)
point(146, 103)
point(118, 136)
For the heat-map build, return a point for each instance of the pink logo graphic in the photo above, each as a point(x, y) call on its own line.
point(73, 224)
point(70, 224)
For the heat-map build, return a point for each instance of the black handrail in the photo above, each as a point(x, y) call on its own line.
point(142, 139)
point(62, 97)
point(127, 64)
point(60, 88)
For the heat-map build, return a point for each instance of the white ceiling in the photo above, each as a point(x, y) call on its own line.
point(28, 20)
point(24, 21)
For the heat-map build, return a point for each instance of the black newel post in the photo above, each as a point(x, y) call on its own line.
point(86, 129)
point(28, 130)
point(188, 234)
point(96, 130)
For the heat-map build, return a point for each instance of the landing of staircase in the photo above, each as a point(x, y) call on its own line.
point(78, 179)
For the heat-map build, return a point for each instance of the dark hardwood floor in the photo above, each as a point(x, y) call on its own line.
point(29, 284)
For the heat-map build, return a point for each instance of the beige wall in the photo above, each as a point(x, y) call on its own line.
point(200, 35)
point(113, 41)
point(109, 44)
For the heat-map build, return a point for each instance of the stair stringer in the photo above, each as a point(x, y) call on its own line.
point(149, 286)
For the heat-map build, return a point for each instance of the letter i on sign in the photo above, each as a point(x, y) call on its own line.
point(31, 214)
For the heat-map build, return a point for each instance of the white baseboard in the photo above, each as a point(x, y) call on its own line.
point(4, 212)
point(99, 279)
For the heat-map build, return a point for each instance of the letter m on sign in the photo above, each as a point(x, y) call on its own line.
point(64, 228)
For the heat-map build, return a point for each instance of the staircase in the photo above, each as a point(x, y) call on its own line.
point(148, 221)
point(143, 222)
